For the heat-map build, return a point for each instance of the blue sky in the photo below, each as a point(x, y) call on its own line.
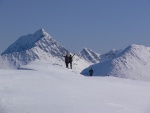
point(100, 25)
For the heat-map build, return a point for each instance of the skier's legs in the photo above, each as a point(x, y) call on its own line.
point(70, 65)
point(91, 74)
point(66, 64)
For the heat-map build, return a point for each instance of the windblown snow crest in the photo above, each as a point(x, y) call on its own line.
point(133, 63)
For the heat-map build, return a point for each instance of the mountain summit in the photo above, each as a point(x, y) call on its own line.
point(89, 55)
point(40, 39)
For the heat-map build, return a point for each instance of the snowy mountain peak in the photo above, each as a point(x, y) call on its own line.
point(134, 45)
point(39, 38)
point(31, 47)
point(89, 55)
point(110, 55)
point(42, 29)
point(88, 51)
point(41, 32)
point(25, 42)
point(85, 49)
point(133, 49)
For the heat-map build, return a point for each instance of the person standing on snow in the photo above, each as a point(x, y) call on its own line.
point(67, 60)
point(91, 72)
point(70, 60)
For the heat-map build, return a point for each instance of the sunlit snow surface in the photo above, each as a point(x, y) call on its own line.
point(47, 88)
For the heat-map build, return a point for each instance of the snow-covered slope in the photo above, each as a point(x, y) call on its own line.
point(5, 64)
point(89, 55)
point(133, 63)
point(46, 88)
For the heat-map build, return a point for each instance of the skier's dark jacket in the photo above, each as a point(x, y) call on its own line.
point(70, 58)
point(66, 59)
point(91, 71)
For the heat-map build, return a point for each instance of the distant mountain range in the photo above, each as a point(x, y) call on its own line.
point(133, 62)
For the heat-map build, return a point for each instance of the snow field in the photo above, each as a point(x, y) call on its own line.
point(46, 88)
